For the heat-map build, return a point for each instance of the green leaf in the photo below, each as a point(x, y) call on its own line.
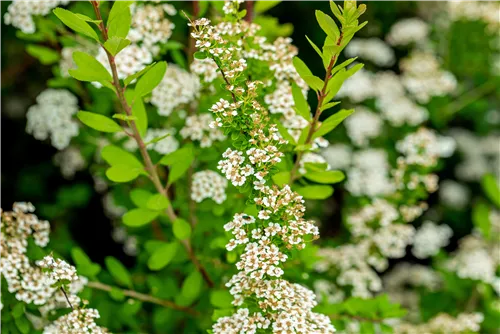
point(75, 23)
point(139, 111)
point(491, 189)
point(115, 44)
point(123, 173)
point(114, 155)
point(315, 192)
point(45, 55)
point(157, 202)
point(98, 122)
point(151, 79)
point(329, 105)
point(134, 76)
point(119, 19)
point(83, 263)
point(18, 310)
point(89, 68)
point(117, 294)
point(200, 55)
point(481, 218)
point(343, 65)
point(314, 82)
point(162, 256)
point(221, 299)
point(139, 217)
point(179, 162)
point(335, 10)
point(327, 177)
point(329, 51)
point(118, 271)
point(281, 178)
point(140, 197)
point(263, 6)
point(88, 19)
point(23, 324)
point(181, 228)
point(303, 135)
point(285, 134)
point(315, 47)
point(191, 287)
point(301, 67)
point(328, 25)
point(125, 117)
point(334, 84)
point(331, 122)
point(300, 101)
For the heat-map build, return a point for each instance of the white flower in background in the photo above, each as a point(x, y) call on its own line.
point(399, 110)
point(378, 214)
point(130, 60)
point(52, 117)
point(338, 156)
point(327, 289)
point(206, 69)
point(454, 194)
point(359, 87)
point(70, 161)
point(198, 128)
point(66, 62)
point(423, 78)
point(420, 148)
point(415, 275)
point(166, 145)
point(313, 158)
point(111, 209)
point(430, 238)
point(150, 26)
point(372, 49)
point(444, 323)
point(363, 125)
point(20, 13)
point(486, 11)
point(78, 321)
point(208, 184)
point(408, 31)
point(369, 174)
point(177, 88)
point(393, 239)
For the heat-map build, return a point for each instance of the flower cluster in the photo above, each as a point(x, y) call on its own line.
point(430, 238)
point(280, 226)
point(20, 13)
point(483, 11)
point(407, 31)
point(52, 117)
point(444, 323)
point(372, 49)
point(197, 127)
point(177, 88)
point(363, 125)
point(208, 184)
point(78, 321)
point(70, 161)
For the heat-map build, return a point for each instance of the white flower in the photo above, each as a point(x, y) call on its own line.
point(208, 184)
point(430, 238)
point(363, 125)
point(408, 31)
point(372, 49)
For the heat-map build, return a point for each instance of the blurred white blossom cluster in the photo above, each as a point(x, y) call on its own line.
point(444, 323)
point(20, 13)
point(77, 321)
point(430, 238)
point(150, 28)
point(486, 11)
point(197, 128)
point(52, 117)
point(372, 49)
point(50, 283)
point(208, 184)
point(70, 161)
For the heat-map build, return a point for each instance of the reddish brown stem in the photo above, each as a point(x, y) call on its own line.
point(150, 167)
point(250, 13)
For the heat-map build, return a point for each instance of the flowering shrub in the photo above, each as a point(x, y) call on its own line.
point(214, 148)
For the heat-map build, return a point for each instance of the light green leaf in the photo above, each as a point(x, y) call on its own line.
point(182, 229)
point(134, 76)
point(118, 271)
point(88, 19)
point(139, 111)
point(75, 23)
point(45, 55)
point(162, 256)
point(328, 25)
point(151, 79)
point(315, 47)
point(117, 294)
point(331, 122)
point(481, 218)
point(334, 84)
point(263, 6)
point(123, 173)
point(301, 67)
point(114, 155)
point(315, 192)
point(115, 44)
point(285, 134)
point(119, 19)
point(329, 51)
point(329, 105)
point(139, 217)
point(335, 10)
point(281, 178)
point(140, 197)
point(179, 162)
point(89, 68)
point(314, 82)
point(191, 287)
point(343, 65)
point(221, 299)
point(490, 187)
point(124, 117)
point(83, 263)
point(327, 177)
point(98, 122)
point(303, 135)
point(157, 202)
point(301, 105)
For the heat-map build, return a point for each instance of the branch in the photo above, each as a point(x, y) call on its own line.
point(150, 167)
point(143, 297)
point(321, 97)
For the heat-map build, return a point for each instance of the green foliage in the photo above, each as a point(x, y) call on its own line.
point(179, 162)
point(162, 255)
point(139, 217)
point(315, 192)
point(83, 263)
point(332, 122)
point(45, 55)
point(115, 44)
point(491, 189)
point(181, 228)
point(76, 23)
point(118, 271)
point(119, 19)
point(98, 122)
point(149, 80)
point(89, 69)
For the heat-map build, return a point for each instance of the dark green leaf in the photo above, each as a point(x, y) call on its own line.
point(491, 189)
point(300, 102)
point(221, 299)
point(45, 55)
point(118, 271)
